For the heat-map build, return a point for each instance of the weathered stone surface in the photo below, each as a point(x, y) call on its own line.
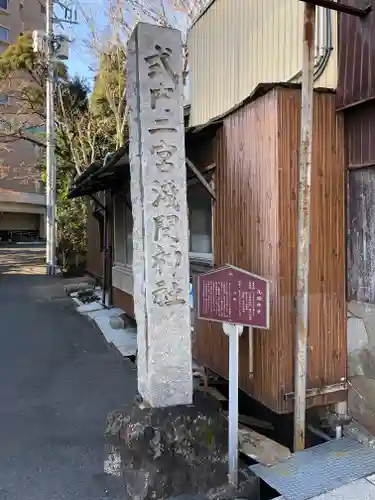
point(355, 308)
point(116, 322)
point(160, 217)
point(357, 335)
point(77, 287)
point(354, 365)
point(357, 340)
point(367, 361)
point(361, 401)
point(361, 363)
point(182, 450)
point(367, 313)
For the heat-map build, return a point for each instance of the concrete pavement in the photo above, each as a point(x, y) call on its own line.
point(58, 380)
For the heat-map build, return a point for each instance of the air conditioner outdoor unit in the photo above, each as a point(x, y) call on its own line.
point(38, 41)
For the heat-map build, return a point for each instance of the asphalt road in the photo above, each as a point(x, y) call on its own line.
point(58, 380)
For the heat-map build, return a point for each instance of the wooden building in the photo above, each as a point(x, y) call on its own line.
point(356, 104)
point(250, 156)
point(255, 228)
point(243, 136)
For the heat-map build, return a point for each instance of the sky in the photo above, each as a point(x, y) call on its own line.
point(81, 60)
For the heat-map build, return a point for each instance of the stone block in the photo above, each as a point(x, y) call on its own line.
point(116, 322)
point(181, 450)
point(356, 309)
point(367, 313)
point(79, 287)
point(367, 360)
point(361, 402)
point(357, 337)
point(354, 364)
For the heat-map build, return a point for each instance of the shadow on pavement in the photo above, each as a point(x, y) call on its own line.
point(19, 259)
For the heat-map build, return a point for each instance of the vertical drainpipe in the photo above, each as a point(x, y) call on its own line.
point(105, 242)
point(105, 249)
point(110, 246)
point(303, 244)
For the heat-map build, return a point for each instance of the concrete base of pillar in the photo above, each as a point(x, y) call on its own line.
point(182, 450)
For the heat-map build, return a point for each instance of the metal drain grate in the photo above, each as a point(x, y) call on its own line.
point(314, 471)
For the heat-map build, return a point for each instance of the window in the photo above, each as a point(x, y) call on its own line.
point(123, 223)
point(200, 222)
point(4, 34)
point(4, 4)
point(200, 226)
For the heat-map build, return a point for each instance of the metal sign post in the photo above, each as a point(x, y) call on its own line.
point(235, 298)
point(234, 332)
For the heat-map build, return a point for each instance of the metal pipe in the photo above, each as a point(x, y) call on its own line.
point(339, 431)
point(110, 247)
point(321, 42)
point(234, 332)
point(319, 433)
point(95, 199)
point(105, 251)
point(106, 246)
point(317, 38)
point(340, 7)
point(322, 62)
point(327, 48)
point(50, 147)
point(303, 242)
point(341, 410)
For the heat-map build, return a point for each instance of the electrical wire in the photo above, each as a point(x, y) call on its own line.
point(323, 61)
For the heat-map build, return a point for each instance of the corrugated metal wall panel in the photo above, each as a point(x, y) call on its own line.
point(356, 57)
point(238, 44)
point(361, 229)
point(327, 309)
point(255, 227)
point(246, 235)
point(360, 135)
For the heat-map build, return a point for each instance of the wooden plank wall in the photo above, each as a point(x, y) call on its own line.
point(327, 307)
point(255, 227)
point(361, 229)
point(245, 233)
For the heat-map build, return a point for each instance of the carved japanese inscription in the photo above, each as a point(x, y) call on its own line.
point(160, 229)
point(166, 244)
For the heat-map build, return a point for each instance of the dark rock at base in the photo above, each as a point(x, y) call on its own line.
point(181, 450)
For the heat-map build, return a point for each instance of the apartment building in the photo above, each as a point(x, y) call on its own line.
point(22, 199)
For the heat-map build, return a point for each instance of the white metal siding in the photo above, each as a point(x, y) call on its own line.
point(238, 44)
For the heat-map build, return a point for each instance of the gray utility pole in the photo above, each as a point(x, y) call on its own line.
point(304, 207)
point(50, 139)
point(304, 191)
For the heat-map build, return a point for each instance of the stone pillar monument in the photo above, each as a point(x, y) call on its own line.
point(171, 446)
point(160, 234)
